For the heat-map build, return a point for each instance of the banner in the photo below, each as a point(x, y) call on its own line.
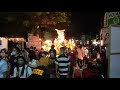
point(111, 18)
point(33, 38)
point(33, 41)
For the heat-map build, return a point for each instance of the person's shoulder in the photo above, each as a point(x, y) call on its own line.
point(3, 61)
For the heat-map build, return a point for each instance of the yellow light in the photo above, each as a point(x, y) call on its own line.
point(17, 39)
point(60, 41)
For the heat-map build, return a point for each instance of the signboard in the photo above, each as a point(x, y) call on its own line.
point(33, 41)
point(31, 37)
point(111, 18)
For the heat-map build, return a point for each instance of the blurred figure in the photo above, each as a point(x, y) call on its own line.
point(3, 53)
point(62, 65)
point(80, 55)
point(52, 53)
point(25, 54)
point(76, 68)
point(86, 60)
point(14, 54)
point(36, 52)
point(33, 63)
point(45, 61)
point(71, 55)
point(9, 66)
point(87, 72)
point(22, 70)
point(42, 71)
point(3, 66)
point(40, 53)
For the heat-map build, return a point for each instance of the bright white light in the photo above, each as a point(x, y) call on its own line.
point(17, 39)
point(60, 41)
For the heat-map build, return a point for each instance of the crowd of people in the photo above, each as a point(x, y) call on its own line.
point(81, 62)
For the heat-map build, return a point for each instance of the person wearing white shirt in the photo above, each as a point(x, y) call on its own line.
point(22, 70)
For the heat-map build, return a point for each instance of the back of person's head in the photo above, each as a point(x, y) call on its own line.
point(62, 48)
point(52, 46)
point(32, 55)
point(89, 65)
point(93, 56)
point(80, 46)
point(85, 58)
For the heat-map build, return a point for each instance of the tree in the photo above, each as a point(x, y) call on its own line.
point(36, 22)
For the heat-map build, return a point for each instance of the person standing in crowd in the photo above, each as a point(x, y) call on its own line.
point(71, 56)
point(36, 52)
point(86, 52)
point(62, 65)
point(40, 53)
point(41, 71)
point(87, 72)
point(25, 54)
point(76, 68)
point(52, 53)
point(80, 55)
point(46, 62)
point(21, 70)
point(14, 54)
point(33, 63)
point(9, 66)
point(32, 52)
point(3, 65)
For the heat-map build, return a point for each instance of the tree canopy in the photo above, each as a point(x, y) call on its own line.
point(34, 22)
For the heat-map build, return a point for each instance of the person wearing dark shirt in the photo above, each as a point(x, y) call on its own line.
point(52, 53)
point(40, 72)
point(13, 60)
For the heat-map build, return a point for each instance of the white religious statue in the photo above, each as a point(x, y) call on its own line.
point(61, 35)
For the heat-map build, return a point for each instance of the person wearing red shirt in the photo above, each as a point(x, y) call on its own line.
point(87, 72)
point(72, 57)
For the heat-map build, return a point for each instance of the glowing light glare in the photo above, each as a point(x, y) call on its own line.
point(47, 45)
point(60, 41)
point(1, 38)
point(94, 42)
point(17, 39)
point(61, 36)
point(48, 42)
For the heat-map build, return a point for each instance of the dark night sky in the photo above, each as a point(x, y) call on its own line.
point(86, 22)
